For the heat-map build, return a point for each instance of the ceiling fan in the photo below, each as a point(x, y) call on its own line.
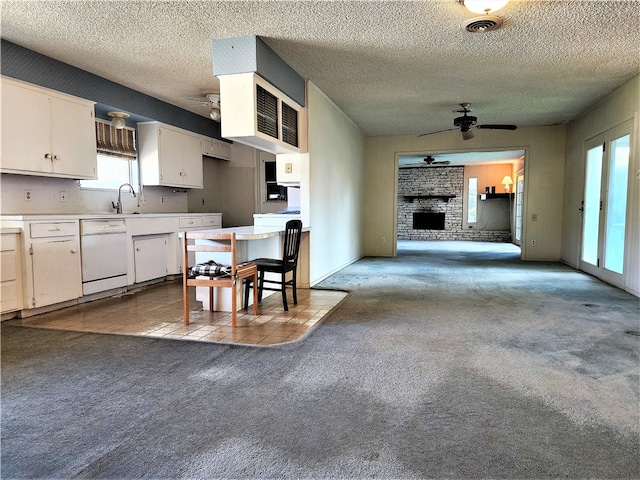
point(466, 122)
point(211, 100)
point(428, 161)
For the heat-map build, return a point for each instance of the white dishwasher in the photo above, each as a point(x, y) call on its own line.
point(103, 245)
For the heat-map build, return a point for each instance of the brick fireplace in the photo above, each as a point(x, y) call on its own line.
point(430, 206)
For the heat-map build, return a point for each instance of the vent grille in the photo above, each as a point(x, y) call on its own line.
point(267, 112)
point(289, 125)
point(485, 23)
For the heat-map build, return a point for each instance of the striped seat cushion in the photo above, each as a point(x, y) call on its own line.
point(213, 269)
point(210, 269)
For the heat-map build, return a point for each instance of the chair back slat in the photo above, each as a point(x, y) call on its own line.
point(292, 234)
point(209, 248)
point(218, 237)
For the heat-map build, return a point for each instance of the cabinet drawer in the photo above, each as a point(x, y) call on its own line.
point(10, 296)
point(9, 269)
point(212, 221)
point(58, 229)
point(190, 222)
point(8, 242)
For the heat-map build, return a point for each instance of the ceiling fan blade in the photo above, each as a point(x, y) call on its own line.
point(497, 127)
point(439, 131)
point(444, 162)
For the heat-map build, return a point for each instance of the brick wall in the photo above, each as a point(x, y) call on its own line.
point(428, 184)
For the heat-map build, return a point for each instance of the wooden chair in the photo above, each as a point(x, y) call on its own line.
point(226, 276)
point(282, 266)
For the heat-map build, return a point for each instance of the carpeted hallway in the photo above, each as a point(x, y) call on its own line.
point(452, 360)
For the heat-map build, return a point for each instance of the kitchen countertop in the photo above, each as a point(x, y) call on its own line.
point(250, 232)
point(87, 216)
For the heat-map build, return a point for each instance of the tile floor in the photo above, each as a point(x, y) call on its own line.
point(156, 311)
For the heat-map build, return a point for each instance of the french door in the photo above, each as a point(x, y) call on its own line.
point(605, 204)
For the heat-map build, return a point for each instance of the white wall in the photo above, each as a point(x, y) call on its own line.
point(229, 187)
point(544, 170)
point(336, 187)
point(620, 106)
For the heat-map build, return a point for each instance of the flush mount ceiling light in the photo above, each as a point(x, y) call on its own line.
point(214, 100)
point(484, 6)
point(118, 119)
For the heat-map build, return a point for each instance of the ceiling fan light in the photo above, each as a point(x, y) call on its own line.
point(484, 6)
point(118, 119)
point(215, 114)
point(467, 134)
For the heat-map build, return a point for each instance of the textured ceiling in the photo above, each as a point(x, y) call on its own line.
point(394, 67)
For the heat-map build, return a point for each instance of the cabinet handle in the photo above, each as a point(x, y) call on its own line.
point(54, 229)
point(47, 156)
point(138, 249)
point(73, 250)
point(56, 157)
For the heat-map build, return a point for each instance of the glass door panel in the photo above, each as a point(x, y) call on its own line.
point(605, 205)
point(519, 205)
point(591, 205)
point(616, 205)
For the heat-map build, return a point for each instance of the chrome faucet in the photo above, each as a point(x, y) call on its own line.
point(118, 206)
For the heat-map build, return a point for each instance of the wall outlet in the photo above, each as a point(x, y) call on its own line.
point(288, 167)
point(533, 243)
point(382, 239)
point(63, 196)
point(27, 195)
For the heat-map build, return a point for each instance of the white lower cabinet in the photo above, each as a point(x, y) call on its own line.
point(53, 267)
point(59, 281)
point(11, 297)
point(150, 257)
point(42, 259)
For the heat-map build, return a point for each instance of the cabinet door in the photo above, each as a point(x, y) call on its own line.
point(10, 273)
point(170, 153)
point(57, 275)
point(26, 130)
point(73, 136)
point(150, 257)
point(191, 162)
point(216, 148)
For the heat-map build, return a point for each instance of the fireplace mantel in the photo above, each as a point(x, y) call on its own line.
point(447, 197)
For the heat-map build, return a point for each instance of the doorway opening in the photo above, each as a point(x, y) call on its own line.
point(475, 196)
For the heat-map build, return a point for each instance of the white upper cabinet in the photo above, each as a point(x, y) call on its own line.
point(257, 114)
point(212, 147)
point(169, 156)
point(46, 133)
